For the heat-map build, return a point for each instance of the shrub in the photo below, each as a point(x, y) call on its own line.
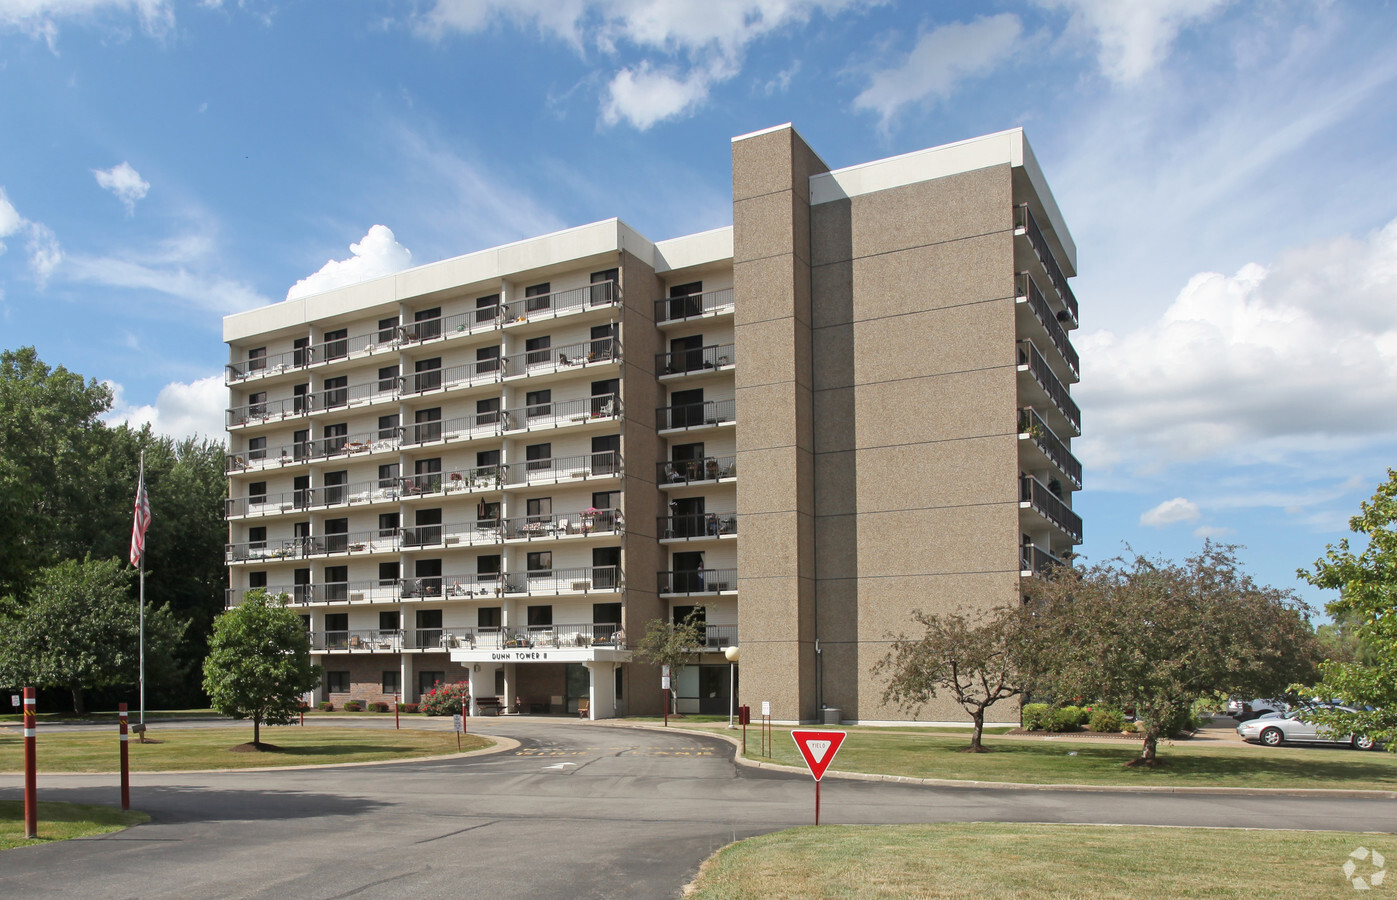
point(378, 707)
point(325, 706)
point(1107, 720)
point(353, 706)
point(1068, 718)
point(407, 707)
point(1035, 716)
point(445, 699)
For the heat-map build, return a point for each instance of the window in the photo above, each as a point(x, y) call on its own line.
point(299, 398)
point(387, 427)
point(536, 350)
point(334, 487)
point(536, 297)
point(390, 679)
point(387, 575)
point(300, 444)
point(336, 682)
point(337, 583)
point(337, 621)
point(257, 405)
point(388, 379)
point(487, 359)
point(603, 343)
point(387, 329)
point(257, 359)
point(336, 391)
point(488, 617)
point(300, 491)
point(427, 375)
point(539, 510)
point(487, 514)
point(387, 477)
point(487, 463)
point(427, 324)
point(427, 680)
point(256, 580)
point(487, 308)
point(606, 563)
point(428, 522)
point(300, 351)
point(388, 620)
point(336, 345)
point(428, 423)
point(604, 396)
point(257, 448)
point(685, 300)
point(336, 436)
point(257, 492)
point(604, 287)
point(540, 562)
point(538, 403)
point(540, 616)
point(302, 589)
point(257, 537)
point(337, 536)
point(606, 455)
point(429, 629)
point(487, 565)
point(487, 411)
point(606, 499)
point(686, 408)
point(539, 457)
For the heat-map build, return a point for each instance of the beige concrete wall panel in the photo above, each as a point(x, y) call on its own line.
point(805, 162)
point(934, 276)
point(947, 540)
point(763, 226)
point(831, 233)
point(775, 609)
point(774, 287)
point(762, 165)
point(930, 212)
point(837, 606)
point(967, 472)
point(769, 352)
point(917, 410)
point(777, 543)
point(835, 356)
point(840, 664)
point(837, 482)
point(959, 339)
point(832, 294)
point(767, 416)
point(782, 675)
point(886, 603)
point(775, 480)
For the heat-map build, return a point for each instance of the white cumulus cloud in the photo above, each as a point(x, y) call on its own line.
point(377, 253)
point(125, 183)
point(1179, 509)
point(1272, 361)
point(942, 58)
point(1133, 36)
point(40, 18)
point(643, 96)
point(180, 410)
point(40, 242)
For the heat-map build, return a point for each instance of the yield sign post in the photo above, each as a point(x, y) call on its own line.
point(818, 748)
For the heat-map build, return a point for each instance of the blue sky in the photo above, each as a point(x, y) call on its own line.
point(1224, 168)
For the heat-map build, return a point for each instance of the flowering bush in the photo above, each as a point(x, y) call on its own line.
point(445, 699)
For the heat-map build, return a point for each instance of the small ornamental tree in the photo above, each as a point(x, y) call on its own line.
point(1367, 609)
point(445, 699)
point(259, 665)
point(1154, 636)
point(673, 644)
point(971, 658)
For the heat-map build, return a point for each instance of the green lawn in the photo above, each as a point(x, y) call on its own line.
point(925, 754)
point(209, 748)
point(1035, 861)
point(61, 821)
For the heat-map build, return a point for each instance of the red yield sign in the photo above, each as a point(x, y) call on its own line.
point(818, 748)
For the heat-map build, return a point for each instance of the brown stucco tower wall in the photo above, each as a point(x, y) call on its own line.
point(915, 398)
point(775, 430)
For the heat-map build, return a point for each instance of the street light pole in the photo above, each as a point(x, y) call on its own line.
point(732, 653)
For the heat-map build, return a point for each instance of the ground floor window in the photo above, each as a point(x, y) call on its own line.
point(390, 681)
point(427, 680)
point(337, 682)
point(703, 689)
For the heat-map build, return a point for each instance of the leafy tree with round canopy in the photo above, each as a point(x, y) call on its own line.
point(259, 665)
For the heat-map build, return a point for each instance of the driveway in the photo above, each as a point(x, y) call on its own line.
point(577, 810)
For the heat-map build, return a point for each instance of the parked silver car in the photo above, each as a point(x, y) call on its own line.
point(1275, 729)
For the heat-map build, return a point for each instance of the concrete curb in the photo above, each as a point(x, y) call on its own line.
point(1020, 786)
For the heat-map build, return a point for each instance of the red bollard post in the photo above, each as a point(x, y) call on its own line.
point(31, 764)
point(395, 710)
point(125, 759)
point(465, 709)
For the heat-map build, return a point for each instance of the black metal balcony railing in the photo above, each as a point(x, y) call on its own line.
point(562, 412)
point(547, 306)
point(376, 491)
point(382, 440)
point(264, 366)
point(452, 534)
point(1038, 367)
point(562, 358)
point(1036, 560)
point(1023, 219)
point(699, 359)
point(479, 425)
point(377, 391)
point(482, 371)
point(368, 641)
point(553, 470)
point(583, 522)
point(686, 471)
point(694, 415)
point(1029, 292)
point(693, 306)
point(700, 581)
point(1032, 424)
point(697, 525)
point(375, 591)
point(578, 580)
point(1037, 495)
point(463, 586)
point(477, 478)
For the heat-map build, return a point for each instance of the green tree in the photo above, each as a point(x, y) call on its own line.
point(1366, 580)
point(80, 631)
point(673, 644)
point(1155, 636)
point(259, 665)
point(973, 658)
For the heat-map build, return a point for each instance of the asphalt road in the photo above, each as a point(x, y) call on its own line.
point(576, 811)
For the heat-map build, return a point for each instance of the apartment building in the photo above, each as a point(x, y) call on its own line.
point(851, 404)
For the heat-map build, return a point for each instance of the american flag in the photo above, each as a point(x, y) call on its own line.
point(142, 521)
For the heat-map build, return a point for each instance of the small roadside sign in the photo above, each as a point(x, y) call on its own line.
point(766, 707)
point(14, 699)
point(818, 748)
point(456, 720)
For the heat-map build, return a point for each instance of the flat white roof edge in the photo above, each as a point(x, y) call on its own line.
point(714, 245)
point(752, 134)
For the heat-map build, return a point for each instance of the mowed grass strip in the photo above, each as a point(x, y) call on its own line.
point(1035, 861)
point(211, 748)
point(924, 755)
point(61, 821)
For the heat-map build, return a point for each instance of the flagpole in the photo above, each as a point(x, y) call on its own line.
point(141, 679)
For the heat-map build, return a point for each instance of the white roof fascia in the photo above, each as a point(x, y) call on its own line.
point(691, 250)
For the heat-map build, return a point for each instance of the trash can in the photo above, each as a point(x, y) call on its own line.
point(830, 716)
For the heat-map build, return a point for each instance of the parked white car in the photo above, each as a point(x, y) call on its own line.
point(1242, 709)
point(1275, 729)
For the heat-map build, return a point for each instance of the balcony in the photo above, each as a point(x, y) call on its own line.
point(377, 391)
point(1035, 560)
point(375, 591)
point(555, 470)
point(452, 534)
point(484, 318)
point(1026, 225)
point(1030, 295)
point(697, 526)
point(265, 366)
point(689, 416)
point(561, 303)
point(714, 358)
point(694, 306)
point(1032, 362)
point(695, 471)
point(482, 371)
point(584, 522)
point(1033, 428)
point(568, 357)
point(554, 582)
point(1035, 495)
point(601, 408)
point(547, 637)
point(375, 641)
point(364, 543)
point(478, 478)
point(701, 581)
point(359, 493)
point(364, 443)
point(466, 428)
point(453, 587)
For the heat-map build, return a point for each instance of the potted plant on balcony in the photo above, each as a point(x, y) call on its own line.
point(710, 469)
